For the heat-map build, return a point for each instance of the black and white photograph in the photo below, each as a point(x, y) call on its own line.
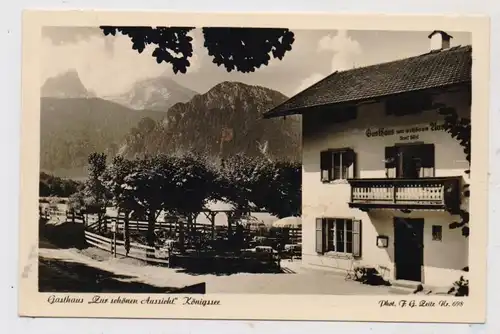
point(211, 160)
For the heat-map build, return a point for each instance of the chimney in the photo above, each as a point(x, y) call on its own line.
point(440, 40)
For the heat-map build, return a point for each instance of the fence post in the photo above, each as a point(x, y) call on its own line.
point(114, 244)
point(212, 223)
point(113, 241)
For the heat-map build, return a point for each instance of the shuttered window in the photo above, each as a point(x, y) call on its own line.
point(337, 164)
point(356, 237)
point(427, 157)
point(423, 157)
point(391, 161)
point(320, 222)
point(338, 235)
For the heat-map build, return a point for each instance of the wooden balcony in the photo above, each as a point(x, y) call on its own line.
point(435, 193)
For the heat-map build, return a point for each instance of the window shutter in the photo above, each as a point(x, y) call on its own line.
point(352, 168)
point(356, 237)
point(390, 156)
point(428, 156)
point(320, 247)
point(428, 160)
point(325, 165)
point(349, 160)
point(391, 161)
point(325, 160)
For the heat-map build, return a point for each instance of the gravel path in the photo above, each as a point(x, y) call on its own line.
point(294, 280)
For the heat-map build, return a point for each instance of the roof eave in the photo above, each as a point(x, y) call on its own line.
point(298, 111)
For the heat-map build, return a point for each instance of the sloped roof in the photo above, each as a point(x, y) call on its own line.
point(430, 70)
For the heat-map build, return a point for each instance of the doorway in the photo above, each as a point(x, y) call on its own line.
point(408, 248)
point(409, 161)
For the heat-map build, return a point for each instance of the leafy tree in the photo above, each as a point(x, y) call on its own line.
point(279, 190)
point(76, 202)
point(235, 182)
point(192, 183)
point(147, 183)
point(95, 192)
point(261, 184)
point(460, 129)
point(239, 49)
point(50, 185)
point(122, 194)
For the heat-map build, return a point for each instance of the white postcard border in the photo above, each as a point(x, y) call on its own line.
point(251, 306)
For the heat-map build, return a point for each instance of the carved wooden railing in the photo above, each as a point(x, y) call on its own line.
point(442, 193)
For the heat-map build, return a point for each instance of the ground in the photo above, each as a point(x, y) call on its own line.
point(92, 270)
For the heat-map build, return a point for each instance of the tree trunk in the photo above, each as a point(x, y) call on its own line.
point(99, 222)
point(126, 232)
point(151, 234)
point(181, 235)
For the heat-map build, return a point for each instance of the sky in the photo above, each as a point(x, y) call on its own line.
point(107, 65)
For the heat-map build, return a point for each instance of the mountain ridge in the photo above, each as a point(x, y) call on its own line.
point(65, 85)
point(156, 93)
point(225, 120)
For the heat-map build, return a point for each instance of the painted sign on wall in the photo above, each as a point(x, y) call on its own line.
point(409, 133)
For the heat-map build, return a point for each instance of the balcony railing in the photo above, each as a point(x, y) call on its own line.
point(436, 193)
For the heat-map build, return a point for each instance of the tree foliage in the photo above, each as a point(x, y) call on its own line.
point(191, 183)
point(184, 184)
point(114, 181)
point(50, 185)
point(460, 129)
point(239, 49)
point(95, 194)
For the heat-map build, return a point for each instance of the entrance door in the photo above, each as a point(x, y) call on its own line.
point(408, 248)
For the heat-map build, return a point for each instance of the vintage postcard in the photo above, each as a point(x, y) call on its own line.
point(254, 166)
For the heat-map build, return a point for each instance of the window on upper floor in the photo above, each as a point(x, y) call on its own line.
point(410, 161)
point(338, 235)
point(337, 164)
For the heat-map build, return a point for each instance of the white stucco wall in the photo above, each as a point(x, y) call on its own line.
point(444, 259)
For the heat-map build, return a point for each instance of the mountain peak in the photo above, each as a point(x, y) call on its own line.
point(65, 85)
point(157, 93)
point(227, 120)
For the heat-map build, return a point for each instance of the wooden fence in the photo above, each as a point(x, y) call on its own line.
point(91, 223)
point(294, 233)
point(136, 251)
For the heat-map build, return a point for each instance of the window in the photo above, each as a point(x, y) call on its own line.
point(337, 164)
point(338, 235)
point(410, 161)
point(437, 232)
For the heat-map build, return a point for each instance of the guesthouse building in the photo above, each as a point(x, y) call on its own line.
point(382, 178)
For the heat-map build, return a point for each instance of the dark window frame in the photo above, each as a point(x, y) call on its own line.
point(333, 236)
point(393, 162)
point(437, 233)
point(328, 169)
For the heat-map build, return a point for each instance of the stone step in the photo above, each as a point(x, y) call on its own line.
point(404, 286)
point(398, 290)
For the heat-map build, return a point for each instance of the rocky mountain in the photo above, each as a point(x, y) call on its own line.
point(65, 85)
point(153, 94)
point(72, 128)
point(224, 121)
